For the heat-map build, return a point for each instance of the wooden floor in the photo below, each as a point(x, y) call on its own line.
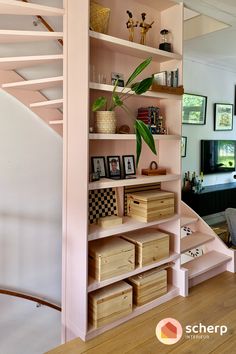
point(210, 303)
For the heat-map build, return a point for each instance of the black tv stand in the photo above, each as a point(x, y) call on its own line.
point(212, 199)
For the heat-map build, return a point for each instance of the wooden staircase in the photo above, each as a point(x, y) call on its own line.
point(216, 257)
point(29, 92)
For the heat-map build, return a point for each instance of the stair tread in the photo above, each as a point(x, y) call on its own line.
point(48, 104)
point(11, 36)
point(186, 220)
point(56, 122)
point(205, 263)
point(11, 63)
point(12, 7)
point(38, 84)
point(194, 240)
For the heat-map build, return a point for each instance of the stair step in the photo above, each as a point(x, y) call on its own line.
point(35, 85)
point(56, 122)
point(11, 36)
point(187, 220)
point(48, 104)
point(194, 240)
point(12, 7)
point(205, 263)
point(13, 63)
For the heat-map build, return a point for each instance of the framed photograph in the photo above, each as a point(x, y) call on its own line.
point(114, 167)
point(119, 77)
point(223, 117)
point(183, 146)
point(99, 165)
point(194, 109)
point(129, 165)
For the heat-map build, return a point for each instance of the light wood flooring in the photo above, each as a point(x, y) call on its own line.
point(210, 303)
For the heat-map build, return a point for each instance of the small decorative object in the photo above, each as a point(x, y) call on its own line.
point(165, 45)
point(90, 129)
point(105, 122)
point(99, 18)
point(99, 166)
point(109, 221)
point(102, 202)
point(145, 27)
point(95, 176)
point(131, 24)
point(118, 99)
point(194, 109)
point(114, 168)
point(153, 170)
point(124, 129)
point(183, 146)
point(223, 117)
point(117, 79)
point(129, 165)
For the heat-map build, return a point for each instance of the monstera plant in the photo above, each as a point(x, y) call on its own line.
point(118, 99)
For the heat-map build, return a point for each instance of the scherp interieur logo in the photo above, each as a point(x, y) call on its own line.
point(169, 331)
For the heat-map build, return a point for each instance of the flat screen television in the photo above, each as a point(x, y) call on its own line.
point(218, 156)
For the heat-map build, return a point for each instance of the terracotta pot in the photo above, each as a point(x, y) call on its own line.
point(105, 122)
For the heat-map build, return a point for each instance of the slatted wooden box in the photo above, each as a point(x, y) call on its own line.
point(148, 286)
point(150, 205)
point(151, 245)
point(110, 303)
point(110, 257)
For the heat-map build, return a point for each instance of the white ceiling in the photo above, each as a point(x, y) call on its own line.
point(217, 48)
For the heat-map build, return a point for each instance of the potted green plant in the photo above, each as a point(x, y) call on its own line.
point(118, 99)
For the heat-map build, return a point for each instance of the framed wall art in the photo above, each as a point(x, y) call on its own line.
point(223, 117)
point(194, 109)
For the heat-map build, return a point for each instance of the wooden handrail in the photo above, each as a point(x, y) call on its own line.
point(30, 298)
point(46, 24)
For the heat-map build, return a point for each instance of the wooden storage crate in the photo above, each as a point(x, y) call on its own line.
point(150, 205)
point(110, 257)
point(110, 303)
point(148, 286)
point(150, 245)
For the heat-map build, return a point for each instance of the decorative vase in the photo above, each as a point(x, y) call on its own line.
point(105, 122)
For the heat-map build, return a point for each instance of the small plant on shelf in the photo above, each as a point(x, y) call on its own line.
point(118, 99)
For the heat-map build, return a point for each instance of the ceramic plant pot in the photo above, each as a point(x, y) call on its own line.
point(105, 122)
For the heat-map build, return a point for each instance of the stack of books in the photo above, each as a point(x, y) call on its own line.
point(151, 117)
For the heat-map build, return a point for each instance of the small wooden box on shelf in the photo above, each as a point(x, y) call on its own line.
point(150, 205)
point(148, 286)
point(110, 303)
point(150, 245)
point(110, 257)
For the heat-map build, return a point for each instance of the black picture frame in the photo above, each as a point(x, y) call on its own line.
point(99, 163)
point(184, 140)
point(112, 163)
point(194, 109)
point(223, 117)
point(129, 165)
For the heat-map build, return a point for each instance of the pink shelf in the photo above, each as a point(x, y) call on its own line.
point(129, 224)
point(9, 7)
point(94, 284)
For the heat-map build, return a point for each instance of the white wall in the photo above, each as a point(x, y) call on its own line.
point(218, 85)
point(30, 202)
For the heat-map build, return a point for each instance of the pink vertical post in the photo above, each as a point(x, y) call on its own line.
point(75, 169)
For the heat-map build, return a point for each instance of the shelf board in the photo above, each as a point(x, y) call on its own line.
point(156, 137)
point(94, 284)
point(194, 240)
point(12, 36)
point(129, 224)
point(104, 41)
point(150, 94)
point(140, 179)
point(205, 263)
point(172, 292)
point(48, 104)
point(56, 122)
point(10, 7)
point(35, 85)
point(187, 220)
point(13, 63)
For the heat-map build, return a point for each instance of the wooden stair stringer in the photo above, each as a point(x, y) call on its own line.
point(28, 97)
point(216, 243)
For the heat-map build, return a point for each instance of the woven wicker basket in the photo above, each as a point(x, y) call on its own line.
point(105, 122)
